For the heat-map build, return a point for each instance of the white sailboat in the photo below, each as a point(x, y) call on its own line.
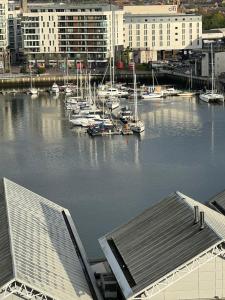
point(152, 94)
point(68, 90)
point(188, 93)
point(32, 90)
point(55, 88)
point(212, 96)
point(137, 125)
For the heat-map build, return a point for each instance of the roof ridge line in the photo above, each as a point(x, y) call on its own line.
point(9, 229)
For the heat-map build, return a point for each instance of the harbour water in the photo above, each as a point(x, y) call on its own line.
point(104, 181)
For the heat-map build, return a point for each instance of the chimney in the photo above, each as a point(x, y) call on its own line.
point(202, 220)
point(196, 214)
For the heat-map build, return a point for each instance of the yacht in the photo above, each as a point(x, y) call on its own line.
point(137, 125)
point(33, 91)
point(152, 92)
point(55, 88)
point(113, 103)
point(105, 91)
point(212, 96)
point(154, 95)
point(171, 92)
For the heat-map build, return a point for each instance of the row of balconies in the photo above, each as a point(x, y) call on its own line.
point(82, 18)
point(82, 49)
point(82, 37)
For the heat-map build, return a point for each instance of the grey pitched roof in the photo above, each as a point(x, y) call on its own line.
point(218, 202)
point(44, 256)
point(161, 239)
point(6, 266)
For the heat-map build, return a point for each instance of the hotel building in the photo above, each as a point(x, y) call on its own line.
point(151, 32)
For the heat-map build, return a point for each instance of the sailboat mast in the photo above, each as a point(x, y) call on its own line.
point(135, 95)
point(31, 84)
point(77, 79)
point(81, 81)
point(153, 81)
point(113, 46)
point(89, 88)
point(212, 68)
point(67, 71)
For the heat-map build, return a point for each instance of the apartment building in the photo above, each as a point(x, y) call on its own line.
point(14, 30)
point(4, 54)
point(150, 35)
point(81, 32)
point(89, 32)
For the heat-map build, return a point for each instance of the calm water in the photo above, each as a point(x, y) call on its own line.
point(106, 181)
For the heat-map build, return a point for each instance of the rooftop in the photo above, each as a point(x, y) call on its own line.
point(38, 249)
point(161, 239)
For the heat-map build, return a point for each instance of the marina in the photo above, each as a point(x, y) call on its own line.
point(107, 180)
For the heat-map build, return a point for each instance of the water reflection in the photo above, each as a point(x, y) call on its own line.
point(105, 181)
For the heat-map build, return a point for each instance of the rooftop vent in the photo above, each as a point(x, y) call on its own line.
point(202, 220)
point(196, 214)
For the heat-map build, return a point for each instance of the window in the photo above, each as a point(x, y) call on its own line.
point(183, 43)
point(153, 44)
point(145, 44)
point(176, 27)
point(190, 24)
point(161, 43)
point(160, 25)
point(145, 26)
point(153, 26)
point(176, 40)
point(168, 43)
point(160, 31)
point(183, 25)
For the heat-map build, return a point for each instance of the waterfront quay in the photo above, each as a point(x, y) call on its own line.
point(15, 81)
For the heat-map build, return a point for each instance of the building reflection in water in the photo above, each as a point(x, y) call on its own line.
point(45, 118)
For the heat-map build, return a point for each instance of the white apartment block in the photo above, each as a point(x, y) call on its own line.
point(90, 32)
point(4, 55)
point(148, 34)
point(3, 25)
point(77, 32)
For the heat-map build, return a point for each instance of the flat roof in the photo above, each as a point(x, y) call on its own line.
point(37, 248)
point(160, 240)
point(161, 15)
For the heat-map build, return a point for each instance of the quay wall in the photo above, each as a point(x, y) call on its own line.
point(162, 77)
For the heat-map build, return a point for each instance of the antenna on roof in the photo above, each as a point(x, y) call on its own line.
point(202, 220)
point(196, 214)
